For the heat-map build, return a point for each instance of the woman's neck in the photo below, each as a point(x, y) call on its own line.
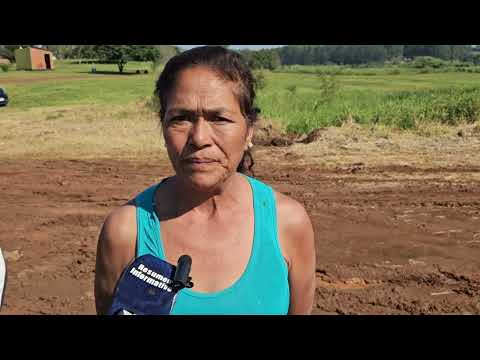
point(180, 198)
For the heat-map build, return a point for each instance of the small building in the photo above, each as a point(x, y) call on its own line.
point(34, 59)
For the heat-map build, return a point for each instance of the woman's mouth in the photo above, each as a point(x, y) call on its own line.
point(199, 160)
point(199, 163)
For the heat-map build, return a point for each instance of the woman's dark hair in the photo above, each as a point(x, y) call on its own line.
point(229, 65)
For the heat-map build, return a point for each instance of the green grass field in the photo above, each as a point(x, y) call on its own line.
point(74, 84)
point(302, 102)
point(299, 98)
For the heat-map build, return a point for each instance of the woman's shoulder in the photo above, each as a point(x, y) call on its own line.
point(119, 227)
point(288, 209)
point(294, 228)
point(291, 212)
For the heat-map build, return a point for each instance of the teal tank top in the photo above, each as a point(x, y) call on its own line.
point(262, 289)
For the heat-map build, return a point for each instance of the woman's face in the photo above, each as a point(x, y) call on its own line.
point(204, 129)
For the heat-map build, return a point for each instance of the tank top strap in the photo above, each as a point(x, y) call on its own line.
point(148, 237)
point(266, 228)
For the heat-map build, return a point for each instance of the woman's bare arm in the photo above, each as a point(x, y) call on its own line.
point(298, 245)
point(115, 250)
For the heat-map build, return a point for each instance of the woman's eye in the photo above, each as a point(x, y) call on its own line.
point(221, 119)
point(178, 118)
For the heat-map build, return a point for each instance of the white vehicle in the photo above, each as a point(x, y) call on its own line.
point(3, 276)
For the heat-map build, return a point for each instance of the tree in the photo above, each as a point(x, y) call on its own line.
point(459, 52)
point(441, 51)
point(84, 52)
point(412, 51)
point(394, 51)
point(287, 54)
point(166, 52)
point(261, 59)
point(114, 54)
point(308, 55)
point(62, 51)
point(144, 53)
point(121, 54)
point(8, 51)
point(476, 58)
point(337, 54)
point(272, 60)
point(320, 55)
point(377, 53)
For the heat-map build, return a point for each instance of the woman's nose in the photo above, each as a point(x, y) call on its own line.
point(200, 133)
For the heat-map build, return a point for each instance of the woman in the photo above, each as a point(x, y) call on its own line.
point(252, 248)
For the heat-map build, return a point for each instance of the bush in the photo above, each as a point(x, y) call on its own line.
point(476, 59)
point(394, 72)
point(260, 80)
point(292, 89)
point(4, 67)
point(422, 62)
point(329, 87)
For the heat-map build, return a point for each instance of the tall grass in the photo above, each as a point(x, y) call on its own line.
point(303, 102)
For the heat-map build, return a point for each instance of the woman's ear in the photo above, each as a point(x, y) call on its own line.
point(249, 139)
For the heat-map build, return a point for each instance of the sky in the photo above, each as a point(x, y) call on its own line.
point(254, 47)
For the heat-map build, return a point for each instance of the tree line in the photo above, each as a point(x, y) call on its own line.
point(267, 58)
point(365, 54)
point(159, 53)
point(355, 54)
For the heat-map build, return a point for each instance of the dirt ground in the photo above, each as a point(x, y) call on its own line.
point(393, 237)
